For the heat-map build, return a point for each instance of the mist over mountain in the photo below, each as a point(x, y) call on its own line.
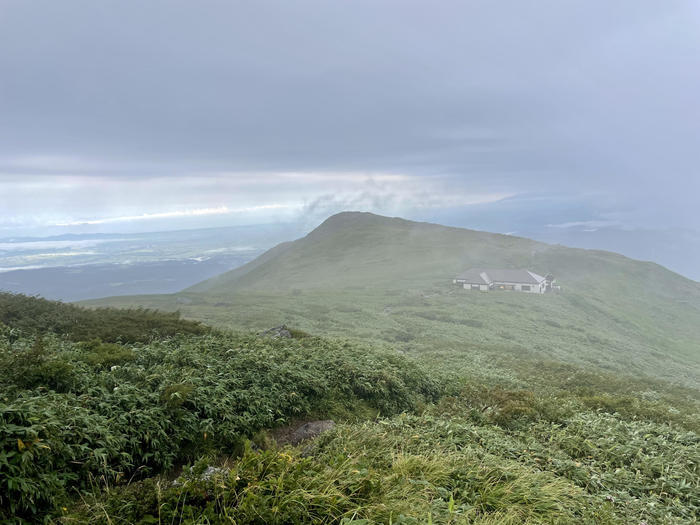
point(353, 248)
point(371, 277)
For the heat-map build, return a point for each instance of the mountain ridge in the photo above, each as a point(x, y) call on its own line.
point(389, 281)
point(353, 226)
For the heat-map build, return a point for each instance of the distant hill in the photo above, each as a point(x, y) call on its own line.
point(388, 279)
point(360, 249)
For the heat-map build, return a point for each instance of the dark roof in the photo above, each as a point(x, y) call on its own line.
point(472, 276)
point(484, 276)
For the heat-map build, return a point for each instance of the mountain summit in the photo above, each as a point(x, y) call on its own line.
point(390, 280)
point(363, 249)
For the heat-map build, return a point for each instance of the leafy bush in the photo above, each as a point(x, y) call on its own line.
point(135, 411)
point(49, 443)
point(29, 364)
point(33, 315)
point(105, 355)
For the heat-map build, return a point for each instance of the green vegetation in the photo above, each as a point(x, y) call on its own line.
point(449, 465)
point(72, 414)
point(376, 279)
point(453, 407)
point(94, 432)
point(32, 315)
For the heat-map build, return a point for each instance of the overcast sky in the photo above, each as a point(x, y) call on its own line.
point(131, 115)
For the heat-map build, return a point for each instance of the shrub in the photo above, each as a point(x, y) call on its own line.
point(105, 355)
point(134, 412)
point(32, 365)
point(174, 396)
point(33, 315)
point(49, 443)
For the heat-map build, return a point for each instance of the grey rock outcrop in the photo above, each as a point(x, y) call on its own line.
point(212, 472)
point(310, 430)
point(207, 475)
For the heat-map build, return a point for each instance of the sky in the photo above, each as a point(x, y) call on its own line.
point(137, 116)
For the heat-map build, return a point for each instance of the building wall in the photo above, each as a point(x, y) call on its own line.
point(535, 288)
point(479, 287)
point(517, 287)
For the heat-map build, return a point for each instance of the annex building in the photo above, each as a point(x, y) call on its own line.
point(486, 280)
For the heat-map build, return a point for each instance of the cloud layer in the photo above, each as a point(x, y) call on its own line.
point(130, 109)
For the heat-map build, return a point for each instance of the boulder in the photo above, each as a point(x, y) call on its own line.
point(310, 430)
point(212, 472)
point(209, 474)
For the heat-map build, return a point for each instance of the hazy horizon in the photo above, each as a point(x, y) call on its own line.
point(667, 248)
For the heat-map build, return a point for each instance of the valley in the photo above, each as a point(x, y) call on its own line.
point(86, 266)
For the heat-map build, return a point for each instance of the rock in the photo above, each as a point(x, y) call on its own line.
point(310, 430)
point(277, 331)
point(207, 475)
point(213, 472)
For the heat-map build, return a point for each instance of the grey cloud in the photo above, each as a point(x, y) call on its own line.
point(577, 97)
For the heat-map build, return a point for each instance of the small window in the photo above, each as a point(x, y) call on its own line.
point(475, 286)
point(525, 287)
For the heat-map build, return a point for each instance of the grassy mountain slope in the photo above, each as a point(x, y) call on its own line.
point(77, 413)
point(375, 278)
point(215, 282)
point(363, 249)
point(96, 432)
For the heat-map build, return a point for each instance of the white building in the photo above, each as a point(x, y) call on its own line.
point(513, 280)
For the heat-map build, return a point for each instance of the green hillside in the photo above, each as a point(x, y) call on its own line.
point(181, 425)
point(388, 280)
point(353, 249)
point(79, 415)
